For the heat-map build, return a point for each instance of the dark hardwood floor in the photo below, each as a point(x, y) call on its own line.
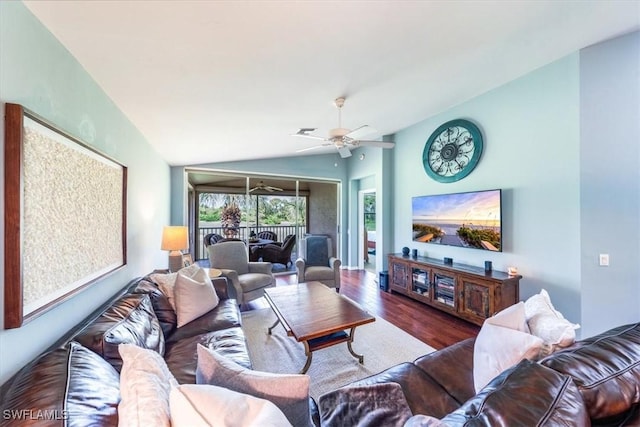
point(431, 326)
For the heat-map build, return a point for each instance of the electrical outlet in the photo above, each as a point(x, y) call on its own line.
point(604, 260)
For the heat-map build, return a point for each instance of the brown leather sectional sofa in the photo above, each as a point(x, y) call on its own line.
point(596, 381)
point(78, 379)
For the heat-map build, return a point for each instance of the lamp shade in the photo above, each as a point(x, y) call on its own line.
point(174, 238)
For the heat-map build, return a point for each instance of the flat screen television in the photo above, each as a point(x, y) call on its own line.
point(468, 220)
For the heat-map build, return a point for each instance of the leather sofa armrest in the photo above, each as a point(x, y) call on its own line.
point(260, 267)
point(221, 285)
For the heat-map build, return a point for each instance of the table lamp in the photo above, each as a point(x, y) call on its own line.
point(175, 239)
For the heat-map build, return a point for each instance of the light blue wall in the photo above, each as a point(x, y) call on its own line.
point(531, 132)
point(39, 73)
point(610, 182)
point(563, 144)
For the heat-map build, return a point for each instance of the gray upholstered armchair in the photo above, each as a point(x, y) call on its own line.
point(248, 278)
point(316, 262)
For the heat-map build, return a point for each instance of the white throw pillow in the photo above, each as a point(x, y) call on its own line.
point(502, 342)
point(194, 296)
point(195, 405)
point(548, 323)
point(289, 392)
point(166, 282)
point(145, 383)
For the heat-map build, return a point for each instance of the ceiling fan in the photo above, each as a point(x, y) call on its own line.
point(263, 187)
point(343, 138)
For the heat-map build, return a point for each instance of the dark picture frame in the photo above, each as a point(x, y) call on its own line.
point(65, 216)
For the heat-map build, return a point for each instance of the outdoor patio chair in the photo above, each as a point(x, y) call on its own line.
point(268, 235)
point(279, 252)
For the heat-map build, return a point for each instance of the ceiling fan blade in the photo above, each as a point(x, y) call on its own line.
point(304, 135)
point(270, 188)
point(312, 148)
point(361, 132)
point(344, 152)
point(381, 144)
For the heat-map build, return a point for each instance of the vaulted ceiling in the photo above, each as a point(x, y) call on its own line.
point(211, 81)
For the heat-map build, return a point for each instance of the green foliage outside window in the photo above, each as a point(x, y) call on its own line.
point(272, 210)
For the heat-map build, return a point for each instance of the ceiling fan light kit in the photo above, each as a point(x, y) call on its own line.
point(343, 138)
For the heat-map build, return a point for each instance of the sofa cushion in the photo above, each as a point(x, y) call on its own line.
point(162, 308)
point(606, 369)
point(424, 395)
point(193, 297)
point(452, 368)
point(207, 405)
point(145, 384)
point(371, 405)
point(289, 392)
point(71, 383)
point(527, 394)
point(224, 316)
point(182, 357)
point(130, 320)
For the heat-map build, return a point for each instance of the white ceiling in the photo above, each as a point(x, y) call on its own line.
point(211, 81)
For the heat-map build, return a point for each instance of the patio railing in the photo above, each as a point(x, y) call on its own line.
point(281, 231)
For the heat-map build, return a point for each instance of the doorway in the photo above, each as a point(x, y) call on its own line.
point(367, 227)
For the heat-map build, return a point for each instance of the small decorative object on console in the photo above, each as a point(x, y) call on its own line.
point(405, 251)
point(487, 266)
point(448, 260)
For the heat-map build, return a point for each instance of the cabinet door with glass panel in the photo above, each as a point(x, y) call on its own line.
point(444, 289)
point(421, 283)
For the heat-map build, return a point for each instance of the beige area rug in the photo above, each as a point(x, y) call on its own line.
point(382, 344)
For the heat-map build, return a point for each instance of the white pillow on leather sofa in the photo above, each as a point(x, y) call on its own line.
point(547, 323)
point(166, 282)
point(503, 341)
point(289, 392)
point(194, 296)
point(196, 405)
point(145, 384)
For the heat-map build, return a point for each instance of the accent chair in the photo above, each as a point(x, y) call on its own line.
point(316, 262)
point(249, 279)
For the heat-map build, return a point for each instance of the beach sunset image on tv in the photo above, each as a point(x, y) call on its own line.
point(470, 220)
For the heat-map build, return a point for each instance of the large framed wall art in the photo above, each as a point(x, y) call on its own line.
point(65, 216)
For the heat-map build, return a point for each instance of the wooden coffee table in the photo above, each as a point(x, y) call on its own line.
point(317, 316)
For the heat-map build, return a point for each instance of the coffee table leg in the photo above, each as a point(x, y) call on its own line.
point(309, 354)
point(360, 357)
point(274, 325)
